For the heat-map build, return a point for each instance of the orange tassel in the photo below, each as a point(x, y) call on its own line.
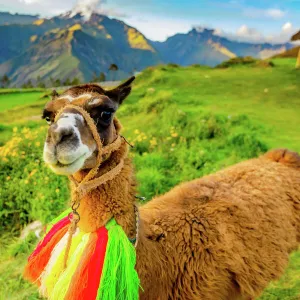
point(80, 277)
point(37, 263)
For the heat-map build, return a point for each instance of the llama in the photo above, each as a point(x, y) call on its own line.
point(223, 236)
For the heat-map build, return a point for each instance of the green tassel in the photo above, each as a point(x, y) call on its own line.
point(119, 279)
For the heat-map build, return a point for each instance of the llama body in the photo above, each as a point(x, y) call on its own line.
point(224, 236)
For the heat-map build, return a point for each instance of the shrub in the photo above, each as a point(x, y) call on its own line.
point(248, 60)
point(29, 190)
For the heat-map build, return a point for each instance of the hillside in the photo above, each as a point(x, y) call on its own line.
point(68, 46)
point(291, 53)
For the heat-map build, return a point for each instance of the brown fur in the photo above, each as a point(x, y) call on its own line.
point(219, 237)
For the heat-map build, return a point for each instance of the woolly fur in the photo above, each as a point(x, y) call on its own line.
point(224, 236)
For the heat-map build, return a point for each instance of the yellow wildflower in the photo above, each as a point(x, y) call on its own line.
point(8, 178)
point(57, 191)
point(15, 129)
point(153, 142)
point(32, 172)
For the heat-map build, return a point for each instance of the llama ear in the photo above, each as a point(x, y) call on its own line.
point(54, 94)
point(119, 93)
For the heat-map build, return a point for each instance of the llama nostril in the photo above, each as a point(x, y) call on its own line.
point(66, 137)
point(60, 135)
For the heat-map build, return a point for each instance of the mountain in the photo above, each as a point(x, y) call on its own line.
point(7, 18)
point(204, 47)
point(69, 46)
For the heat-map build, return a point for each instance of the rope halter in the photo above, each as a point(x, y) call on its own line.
point(89, 182)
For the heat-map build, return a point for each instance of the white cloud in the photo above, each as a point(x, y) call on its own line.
point(158, 29)
point(247, 34)
point(250, 34)
point(30, 1)
point(275, 13)
point(256, 13)
point(287, 27)
point(86, 7)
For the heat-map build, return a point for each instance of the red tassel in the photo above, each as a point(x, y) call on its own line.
point(85, 282)
point(39, 259)
point(55, 228)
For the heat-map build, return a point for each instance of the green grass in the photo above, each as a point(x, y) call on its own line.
point(183, 122)
point(267, 96)
point(20, 91)
point(11, 100)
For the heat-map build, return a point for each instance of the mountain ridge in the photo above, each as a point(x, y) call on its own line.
point(7, 18)
point(69, 45)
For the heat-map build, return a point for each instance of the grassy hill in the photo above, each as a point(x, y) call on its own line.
point(183, 122)
point(291, 53)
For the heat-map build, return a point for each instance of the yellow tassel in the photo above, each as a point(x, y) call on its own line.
point(62, 286)
point(55, 265)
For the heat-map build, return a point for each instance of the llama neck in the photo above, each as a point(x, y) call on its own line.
point(113, 199)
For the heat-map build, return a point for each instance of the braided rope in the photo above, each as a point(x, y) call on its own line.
point(88, 183)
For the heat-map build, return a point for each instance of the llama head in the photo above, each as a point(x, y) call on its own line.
point(70, 145)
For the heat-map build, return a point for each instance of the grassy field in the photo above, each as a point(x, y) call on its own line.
point(183, 122)
point(10, 100)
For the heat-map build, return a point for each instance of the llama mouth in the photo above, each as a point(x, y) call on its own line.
point(71, 168)
point(62, 165)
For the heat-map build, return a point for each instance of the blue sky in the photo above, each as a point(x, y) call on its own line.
point(256, 21)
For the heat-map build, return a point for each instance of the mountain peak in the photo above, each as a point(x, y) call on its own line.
point(202, 31)
point(81, 17)
point(71, 15)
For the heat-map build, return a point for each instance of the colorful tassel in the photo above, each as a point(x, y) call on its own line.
point(40, 257)
point(119, 278)
point(100, 264)
point(65, 280)
point(87, 278)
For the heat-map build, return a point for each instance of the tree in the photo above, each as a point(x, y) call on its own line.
point(94, 78)
point(27, 85)
point(52, 81)
point(113, 68)
point(67, 82)
point(4, 81)
point(40, 83)
point(57, 83)
point(75, 81)
point(102, 77)
point(296, 37)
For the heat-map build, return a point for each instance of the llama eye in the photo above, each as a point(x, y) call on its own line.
point(106, 115)
point(48, 120)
